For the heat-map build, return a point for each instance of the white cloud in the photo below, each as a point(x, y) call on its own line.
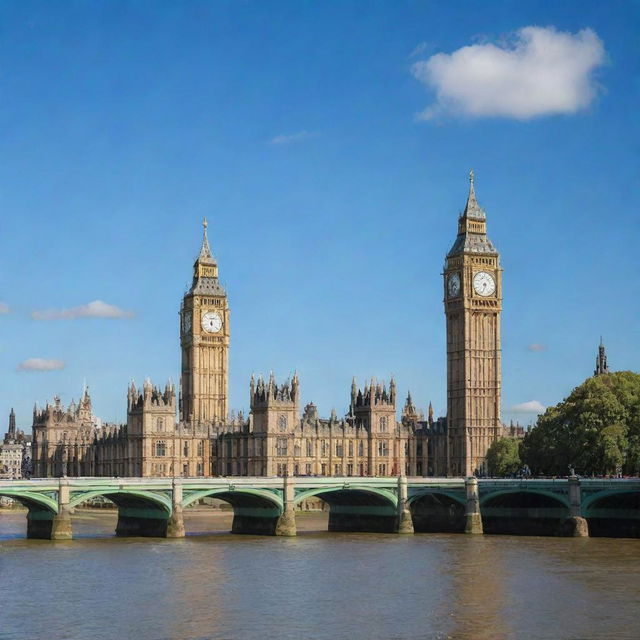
point(40, 364)
point(292, 137)
point(4, 308)
point(419, 49)
point(540, 72)
point(533, 406)
point(536, 346)
point(95, 309)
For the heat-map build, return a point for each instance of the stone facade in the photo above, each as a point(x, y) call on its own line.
point(194, 436)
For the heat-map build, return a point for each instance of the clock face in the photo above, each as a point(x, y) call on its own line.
point(484, 284)
point(186, 322)
point(453, 285)
point(211, 322)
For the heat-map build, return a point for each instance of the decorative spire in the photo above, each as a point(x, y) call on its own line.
point(601, 360)
point(205, 251)
point(472, 208)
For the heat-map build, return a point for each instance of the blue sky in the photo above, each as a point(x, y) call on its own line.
point(328, 144)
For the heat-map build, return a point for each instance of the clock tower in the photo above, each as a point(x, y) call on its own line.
point(204, 338)
point(472, 305)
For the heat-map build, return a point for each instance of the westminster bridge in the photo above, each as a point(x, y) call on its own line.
point(267, 506)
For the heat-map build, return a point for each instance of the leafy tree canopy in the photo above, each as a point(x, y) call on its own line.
point(503, 457)
point(596, 430)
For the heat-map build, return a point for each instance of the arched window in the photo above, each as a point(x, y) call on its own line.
point(309, 448)
point(281, 446)
point(383, 423)
point(160, 424)
point(161, 449)
point(185, 450)
point(361, 449)
point(282, 423)
point(200, 449)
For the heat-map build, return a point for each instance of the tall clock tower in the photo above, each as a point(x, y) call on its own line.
point(204, 338)
point(472, 304)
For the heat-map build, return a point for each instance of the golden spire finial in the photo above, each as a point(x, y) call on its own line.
point(204, 223)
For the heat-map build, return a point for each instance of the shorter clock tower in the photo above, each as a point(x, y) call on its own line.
point(204, 338)
point(472, 304)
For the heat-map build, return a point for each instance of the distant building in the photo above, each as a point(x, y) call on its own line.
point(15, 452)
point(194, 435)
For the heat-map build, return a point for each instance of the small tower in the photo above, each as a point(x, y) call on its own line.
point(410, 415)
point(11, 432)
point(375, 407)
point(274, 407)
point(601, 361)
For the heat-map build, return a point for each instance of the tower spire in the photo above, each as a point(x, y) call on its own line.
point(472, 208)
point(205, 251)
point(601, 360)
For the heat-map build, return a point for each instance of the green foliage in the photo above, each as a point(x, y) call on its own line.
point(596, 429)
point(503, 457)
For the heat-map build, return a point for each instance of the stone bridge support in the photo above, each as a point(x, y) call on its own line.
point(472, 515)
point(61, 523)
point(175, 524)
point(575, 526)
point(405, 522)
point(43, 524)
point(286, 525)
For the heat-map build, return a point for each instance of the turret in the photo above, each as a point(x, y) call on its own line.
point(601, 361)
point(274, 407)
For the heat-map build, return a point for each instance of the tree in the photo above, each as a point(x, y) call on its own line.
point(503, 457)
point(596, 429)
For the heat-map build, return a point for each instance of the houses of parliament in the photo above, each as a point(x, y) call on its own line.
point(190, 433)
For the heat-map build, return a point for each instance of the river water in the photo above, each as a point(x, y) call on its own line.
point(213, 585)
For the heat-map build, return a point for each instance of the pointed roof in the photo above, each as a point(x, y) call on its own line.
point(209, 283)
point(470, 239)
point(472, 208)
point(205, 256)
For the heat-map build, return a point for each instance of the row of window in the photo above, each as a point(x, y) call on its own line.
point(283, 469)
point(383, 423)
point(160, 469)
point(282, 446)
point(161, 449)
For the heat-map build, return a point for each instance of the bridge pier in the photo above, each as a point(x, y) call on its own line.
point(61, 522)
point(575, 525)
point(405, 521)
point(473, 518)
point(175, 524)
point(286, 525)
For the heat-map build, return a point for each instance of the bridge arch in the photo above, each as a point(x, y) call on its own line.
point(125, 498)
point(255, 511)
point(354, 507)
point(524, 511)
point(32, 500)
point(437, 511)
point(42, 509)
point(613, 513)
point(489, 497)
point(140, 513)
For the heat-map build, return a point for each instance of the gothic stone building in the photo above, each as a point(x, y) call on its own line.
point(196, 437)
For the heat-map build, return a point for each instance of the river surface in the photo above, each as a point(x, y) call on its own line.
point(213, 585)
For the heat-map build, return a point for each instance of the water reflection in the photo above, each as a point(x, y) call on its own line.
point(319, 585)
